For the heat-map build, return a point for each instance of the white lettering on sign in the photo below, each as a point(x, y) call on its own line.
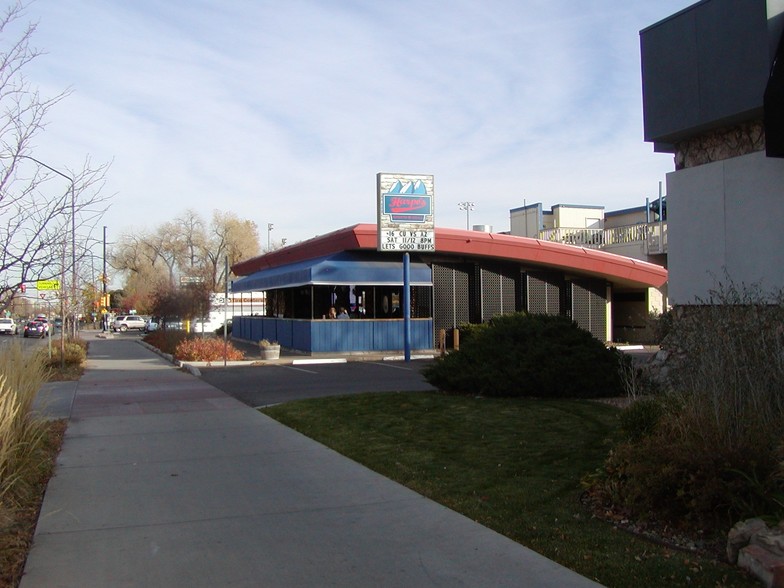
point(407, 240)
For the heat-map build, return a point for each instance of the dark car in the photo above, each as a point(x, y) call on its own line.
point(35, 329)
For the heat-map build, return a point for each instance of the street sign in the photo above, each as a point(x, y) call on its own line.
point(48, 284)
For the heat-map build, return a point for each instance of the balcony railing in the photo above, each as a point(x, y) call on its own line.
point(656, 241)
point(593, 238)
point(653, 236)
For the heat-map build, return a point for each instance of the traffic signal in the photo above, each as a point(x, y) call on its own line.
point(23, 288)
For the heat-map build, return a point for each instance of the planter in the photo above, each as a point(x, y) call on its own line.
point(270, 352)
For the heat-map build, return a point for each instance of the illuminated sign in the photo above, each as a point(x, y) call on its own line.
point(405, 212)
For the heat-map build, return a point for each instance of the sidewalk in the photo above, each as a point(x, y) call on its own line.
point(164, 480)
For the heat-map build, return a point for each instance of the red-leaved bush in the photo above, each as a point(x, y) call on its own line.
point(200, 349)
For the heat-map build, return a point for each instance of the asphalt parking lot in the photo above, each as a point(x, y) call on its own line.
point(273, 384)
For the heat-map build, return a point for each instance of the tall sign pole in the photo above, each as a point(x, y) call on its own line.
point(406, 223)
point(226, 312)
point(407, 306)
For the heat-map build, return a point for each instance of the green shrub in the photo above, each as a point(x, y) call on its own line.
point(714, 455)
point(529, 355)
point(75, 353)
point(468, 331)
point(660, 477)
point(206, 349)
point(640, 418)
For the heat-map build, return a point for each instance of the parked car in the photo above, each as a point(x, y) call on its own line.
point(35, 329)
point(128, 322)
point(151, 325)
point(8, 326)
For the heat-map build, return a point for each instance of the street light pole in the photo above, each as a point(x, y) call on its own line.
point(468, 207)
point(73, 232)
point(104, 279)
point(269, 229)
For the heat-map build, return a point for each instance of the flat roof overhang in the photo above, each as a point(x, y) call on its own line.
point(619, 270)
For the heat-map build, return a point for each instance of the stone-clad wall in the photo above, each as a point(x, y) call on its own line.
point(720, 144)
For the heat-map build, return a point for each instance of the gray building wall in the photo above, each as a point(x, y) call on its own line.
point(725, 215)
point(704, 67)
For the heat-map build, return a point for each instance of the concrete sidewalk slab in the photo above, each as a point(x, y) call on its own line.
point(165, 481)
point(54, 400)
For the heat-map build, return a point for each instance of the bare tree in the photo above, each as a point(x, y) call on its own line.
point(230, 237)
point(186, 249)
point(133, 255)
point(165, 242)
point(190, 229)
point(40, 215)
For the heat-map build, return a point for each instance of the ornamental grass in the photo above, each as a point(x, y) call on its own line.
point(21, 434)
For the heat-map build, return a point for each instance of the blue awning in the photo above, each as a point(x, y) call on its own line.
point(341, 269)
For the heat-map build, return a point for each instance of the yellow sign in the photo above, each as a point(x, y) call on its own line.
point(48, 284)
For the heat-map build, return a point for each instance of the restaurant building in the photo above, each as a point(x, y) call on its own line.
point(469, 278)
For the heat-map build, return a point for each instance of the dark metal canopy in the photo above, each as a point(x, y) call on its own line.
point(341, 269)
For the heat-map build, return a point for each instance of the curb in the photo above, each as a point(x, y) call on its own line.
point(193, 366)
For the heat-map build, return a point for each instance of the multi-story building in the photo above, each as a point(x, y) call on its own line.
point(638, 233)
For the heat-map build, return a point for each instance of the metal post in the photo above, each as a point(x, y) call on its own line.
point(407, 305)
point(62, 311)
point(51, 326)
point(225, 313)
point(105, 279)
point(661, 221)
point(73, 258)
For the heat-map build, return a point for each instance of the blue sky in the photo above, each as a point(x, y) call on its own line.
point(284, 112)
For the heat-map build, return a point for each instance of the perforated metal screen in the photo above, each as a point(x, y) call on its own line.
point(589, 306)
point(476, 292)
point(544, 293)
point(451, 296)
point(498, 289)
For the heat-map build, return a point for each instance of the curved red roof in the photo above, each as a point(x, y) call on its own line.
point(587, 262)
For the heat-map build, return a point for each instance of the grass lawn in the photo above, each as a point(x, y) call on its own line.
point(514, 465)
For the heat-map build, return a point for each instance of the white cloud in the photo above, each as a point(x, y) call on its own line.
point(283, 112)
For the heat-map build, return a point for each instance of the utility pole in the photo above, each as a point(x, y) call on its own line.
point(104, 279)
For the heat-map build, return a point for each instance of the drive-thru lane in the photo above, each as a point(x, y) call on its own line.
point(264, 385)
